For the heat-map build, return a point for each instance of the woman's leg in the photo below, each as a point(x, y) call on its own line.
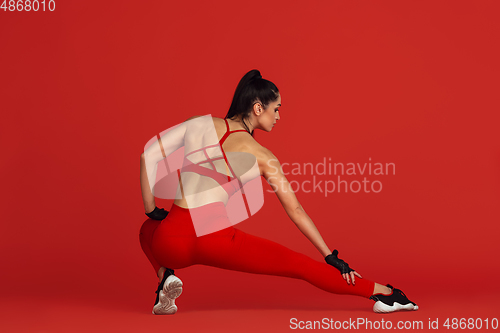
point(145, 237)
point(175, 245)
point(247, 253)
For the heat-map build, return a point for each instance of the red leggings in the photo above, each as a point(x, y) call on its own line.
point(173, 243)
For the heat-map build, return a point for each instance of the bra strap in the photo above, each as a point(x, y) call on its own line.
point(224, 137)
point(227, 128)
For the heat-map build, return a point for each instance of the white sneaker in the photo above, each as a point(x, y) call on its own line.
point(172, 288)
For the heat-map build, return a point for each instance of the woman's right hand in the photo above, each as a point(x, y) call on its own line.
point(157, 214)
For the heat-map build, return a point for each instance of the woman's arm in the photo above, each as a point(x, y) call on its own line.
point(147, 196)
point(273, 173)
point(157, 149)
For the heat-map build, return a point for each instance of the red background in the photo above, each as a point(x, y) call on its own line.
point(85, 87)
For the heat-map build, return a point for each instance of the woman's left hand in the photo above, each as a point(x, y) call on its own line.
point(350, 276)
point(347, 272)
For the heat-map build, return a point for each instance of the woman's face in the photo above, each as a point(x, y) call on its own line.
point(270, 115)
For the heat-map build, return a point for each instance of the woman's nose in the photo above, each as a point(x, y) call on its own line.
point(277, 115)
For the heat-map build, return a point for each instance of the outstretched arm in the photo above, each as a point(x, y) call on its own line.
point(272, 171)
point(274, 175)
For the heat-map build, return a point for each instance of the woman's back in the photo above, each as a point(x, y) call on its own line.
point(220, 157)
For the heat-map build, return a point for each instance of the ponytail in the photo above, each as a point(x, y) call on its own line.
point(251, 89)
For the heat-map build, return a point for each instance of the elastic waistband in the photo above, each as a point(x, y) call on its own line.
point(217, 208)
point(206, 219)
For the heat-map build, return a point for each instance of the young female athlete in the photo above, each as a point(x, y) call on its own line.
point(220, 161)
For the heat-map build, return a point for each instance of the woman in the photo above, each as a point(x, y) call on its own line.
point(198, 229)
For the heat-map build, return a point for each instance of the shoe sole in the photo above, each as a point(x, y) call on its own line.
point(171, 290)
point(381, 307)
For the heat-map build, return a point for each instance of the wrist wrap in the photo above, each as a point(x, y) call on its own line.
point(157, 214)
point(339, 264)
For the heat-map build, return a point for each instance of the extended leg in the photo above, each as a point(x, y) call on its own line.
point(248, 253)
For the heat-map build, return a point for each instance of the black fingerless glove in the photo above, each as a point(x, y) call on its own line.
point(339, 264)
point(157, 214)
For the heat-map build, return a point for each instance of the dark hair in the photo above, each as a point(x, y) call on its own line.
point(251, 89)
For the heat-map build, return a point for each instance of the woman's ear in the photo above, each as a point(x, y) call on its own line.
point(257, 108)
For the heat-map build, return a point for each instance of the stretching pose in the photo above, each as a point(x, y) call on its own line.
point(213, 173)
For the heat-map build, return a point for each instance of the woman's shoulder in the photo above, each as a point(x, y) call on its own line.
point(216, 120)
point(257, 149)
point(262, 153)
point(193, 117)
